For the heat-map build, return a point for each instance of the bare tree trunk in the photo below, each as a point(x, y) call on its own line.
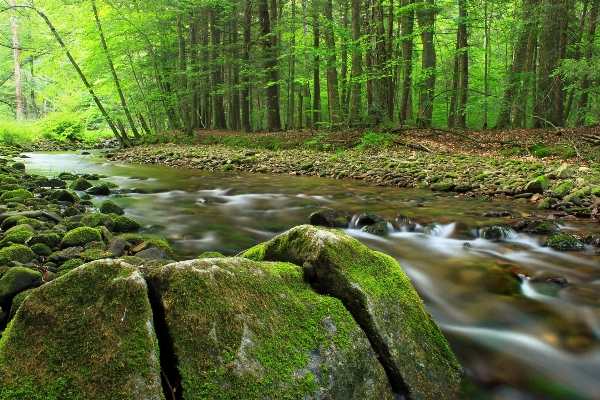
point(246, 126)
point(217, 70)
point(183, 90)
point(426, 21)
point(355, 96)
point(193, 83)
point(589, 48)
point(316, 73)
point(407, 23)
point(114, 73)
point(235, 100)
point(271, 65)
point(332, 78)
point(17, 64)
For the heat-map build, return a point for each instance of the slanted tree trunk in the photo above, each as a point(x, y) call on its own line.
point(96, 99)
point(114, 73)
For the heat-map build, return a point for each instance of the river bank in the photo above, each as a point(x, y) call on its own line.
point(564, 188)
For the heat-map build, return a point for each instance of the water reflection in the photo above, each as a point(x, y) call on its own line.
point(518, 331)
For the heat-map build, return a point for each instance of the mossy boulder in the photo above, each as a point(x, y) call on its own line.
point(68, 266)
point(247, 330)
point(94, 220)
point(15, 281)
point(380, 228)
point(51, 240)
point(126, 224)
point(17, 301)
point(16, 252)
point(40, 249)
point(101, 189)
point(80, 236)
point(441, 186)
point(538, 185)
point(110, 207)
point(64, 195)
point(96, 344)
point(20, 194)
point(80, 184)
point(17, 235)
point(564, 243)
point(562, 190)
point(373, 287)
point(330, 217)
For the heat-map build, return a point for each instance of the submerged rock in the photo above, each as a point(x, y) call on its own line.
point(409, 344)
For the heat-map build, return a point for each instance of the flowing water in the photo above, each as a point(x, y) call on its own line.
point(517, 335)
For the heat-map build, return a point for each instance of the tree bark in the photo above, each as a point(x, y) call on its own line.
point(16, 63)
point(356, 74)
point(183, 89)
point(217, 81)
point(426, 20)
point(271, 65)
point(589, 48)
point(332, 78)
point(245, 93)
point(316, 73)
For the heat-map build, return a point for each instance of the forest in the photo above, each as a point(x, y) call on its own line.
point(68, 66)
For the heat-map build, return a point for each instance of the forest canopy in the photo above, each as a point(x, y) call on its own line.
point(73, 66)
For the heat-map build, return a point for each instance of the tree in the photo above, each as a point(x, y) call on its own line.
point(271, 65)
point(426, 20)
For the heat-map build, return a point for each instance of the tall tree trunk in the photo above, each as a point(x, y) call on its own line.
point(246, 126)
point(271, 65)
point(96, 99)
point(407, 23)
point(114, 73)
point(378, 111)
point(16, 63)
point(344, 71)
point(460, 79)
point(235, 100)
point(316, 73)
point(193, 82)
point(589, 48)
point(547, 110)
point(426, 21)
point(486, 63)
point(519, 65)
point(183, 89)
point(356, 74)
point(332, 78)
point(390, 81)
point(219, 121)
point(292, 73)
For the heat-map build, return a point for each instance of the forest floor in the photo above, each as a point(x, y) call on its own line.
point(569, 144)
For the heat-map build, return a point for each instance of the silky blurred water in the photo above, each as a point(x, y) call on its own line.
point(517, 335)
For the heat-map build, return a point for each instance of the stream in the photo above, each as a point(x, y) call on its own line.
point(517, 334)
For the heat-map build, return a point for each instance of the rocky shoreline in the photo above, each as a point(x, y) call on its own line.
point(565, 189)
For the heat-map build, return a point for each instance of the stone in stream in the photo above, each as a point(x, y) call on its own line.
point(367, 219)
point(408, 342)
point(330, 217)
point(101, 189)
point(538, 185)
point(88, 334)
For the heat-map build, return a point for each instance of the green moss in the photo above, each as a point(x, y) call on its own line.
point(15, 236)
point(34, 223)
point(51, 240)
point(40, 249)
point(68, 266)
point(211, 254)
point(132, 238)
point(109, 206)
point(245, 330)
point(94, 220)
point(228, 167)
point(96, 344)
point(441, 186)
point(596, 191)
point(80, 236)
point(564, 242)
point(80, 184)
point(562, 190)
point(16, 252)
point(126, 224)
point(546, 203)
point(21, 194)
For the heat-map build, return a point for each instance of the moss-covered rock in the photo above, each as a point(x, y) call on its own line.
point(330, 217)
point(562, 190)
point(51, 240)
point(20, 194)
point(11, 221)
point(564, 242)
point(538, 185)
point(441, 186)
point(379, 228)
point(17, 301)
point(64, 195)
point(15, 281)
point(94, 220)
point(80, 184)
point(410, 345)
point(211, 254)
point(40, 249)
point(68, 266)
point(248, 330)
point(96, 344)
point(126, 224)
point(16, 252)
point(110, 207)
point(80, 236)
point(101, 189)
point(17, 235)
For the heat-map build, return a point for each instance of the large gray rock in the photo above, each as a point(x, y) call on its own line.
point(247, 330)
point(88, 335)
point(564, 171)
point(373, 287)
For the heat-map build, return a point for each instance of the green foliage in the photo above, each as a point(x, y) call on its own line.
point(375, 141)
point(539, 151)
point(63, 126)
point(15, 134)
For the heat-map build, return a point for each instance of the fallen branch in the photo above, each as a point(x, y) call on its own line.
point(417, 146)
